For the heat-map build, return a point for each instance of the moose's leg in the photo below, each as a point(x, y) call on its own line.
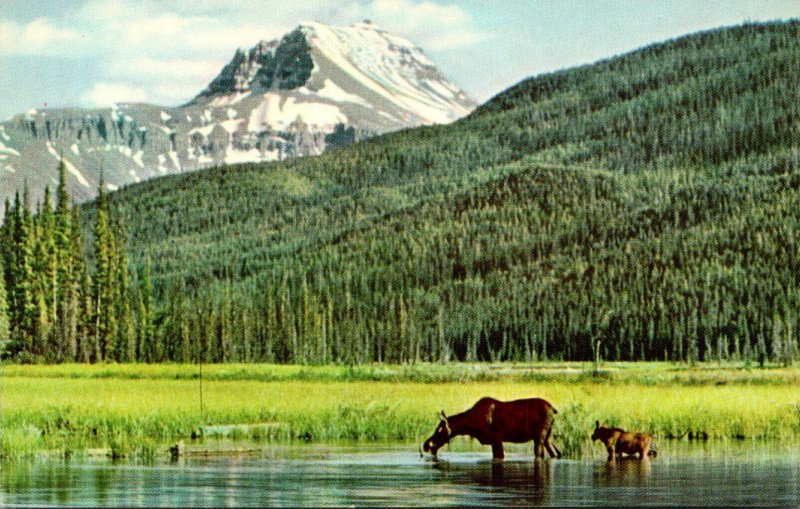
point(497, 451)
point(548, 443)
point(610, 454)
point(538, 446)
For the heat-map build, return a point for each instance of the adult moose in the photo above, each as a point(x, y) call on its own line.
point(493, 422)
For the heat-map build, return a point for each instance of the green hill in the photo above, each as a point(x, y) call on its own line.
point(646, 204)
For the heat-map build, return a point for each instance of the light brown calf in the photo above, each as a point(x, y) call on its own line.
point(619, 441)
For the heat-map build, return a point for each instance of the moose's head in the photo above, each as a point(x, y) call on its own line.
point(440, 437)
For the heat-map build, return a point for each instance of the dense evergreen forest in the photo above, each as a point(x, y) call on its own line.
point(643, 207)
point(51, 308)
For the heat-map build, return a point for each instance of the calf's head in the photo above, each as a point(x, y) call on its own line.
point(440, 437)
point(601, 433)
point(596, 435)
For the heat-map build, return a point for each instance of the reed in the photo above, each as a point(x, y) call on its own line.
point(67, 409)
point(19, 442)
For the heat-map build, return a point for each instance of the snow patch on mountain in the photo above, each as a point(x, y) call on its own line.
point(137, 158)
point(173, 155)
point(204, 130)
point(226, 100)
point(279, 113)
point(231, 126)
point(334, 92)
point(161, 160)
point(8, 150)
point(68, 165)
point(390, 66)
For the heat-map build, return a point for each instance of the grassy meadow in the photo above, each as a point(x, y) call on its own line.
point(137, 410)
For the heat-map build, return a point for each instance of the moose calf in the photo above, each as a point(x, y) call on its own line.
point(619, 441)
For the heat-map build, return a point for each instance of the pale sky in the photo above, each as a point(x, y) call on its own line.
point(93, 52)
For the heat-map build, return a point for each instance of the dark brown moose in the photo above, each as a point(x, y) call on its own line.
point(619, 441)
point(493, 422)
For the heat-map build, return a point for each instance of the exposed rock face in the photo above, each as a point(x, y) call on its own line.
point(318, 88)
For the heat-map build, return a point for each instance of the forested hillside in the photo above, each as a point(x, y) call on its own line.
point(645, 206)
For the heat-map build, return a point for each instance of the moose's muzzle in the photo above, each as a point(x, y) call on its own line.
point(429, 446)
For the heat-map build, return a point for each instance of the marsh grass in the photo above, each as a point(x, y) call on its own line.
point(66, 410)
point(20, 442)
point(639, 373)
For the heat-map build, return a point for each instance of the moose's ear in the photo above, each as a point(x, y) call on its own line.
point(596, 424)
point(444, 416)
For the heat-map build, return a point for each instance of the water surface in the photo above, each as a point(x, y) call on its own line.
point(720, 474)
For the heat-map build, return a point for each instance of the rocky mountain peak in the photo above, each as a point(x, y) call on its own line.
point(318, 87)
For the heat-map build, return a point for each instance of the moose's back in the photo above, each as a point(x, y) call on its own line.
point(520, 420)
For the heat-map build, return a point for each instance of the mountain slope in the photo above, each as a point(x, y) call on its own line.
point(645, 201)
point(316, 89)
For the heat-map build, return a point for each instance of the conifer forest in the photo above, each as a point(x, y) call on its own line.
point(644, 207)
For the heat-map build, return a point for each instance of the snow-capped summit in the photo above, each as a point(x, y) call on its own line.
point(318, 87)
point(360, 64)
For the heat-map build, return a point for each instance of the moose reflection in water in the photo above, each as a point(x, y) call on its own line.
point(619, 442)
point(629, 471)
point(533, 478)
point(493, 422)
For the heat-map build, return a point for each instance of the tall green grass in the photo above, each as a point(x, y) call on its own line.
point(649, 373)
point(46, 407)
point(19, 442)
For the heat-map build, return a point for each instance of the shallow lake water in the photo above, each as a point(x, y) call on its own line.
point(719, 474)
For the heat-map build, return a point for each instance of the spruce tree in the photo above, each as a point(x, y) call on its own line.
point(125, 349)
point(46, 276)
point(4, 332)
point(7, 256)
point(146, 342)
point(103, 281)
point(77, 315)
point(64, 285)
point(24, 315)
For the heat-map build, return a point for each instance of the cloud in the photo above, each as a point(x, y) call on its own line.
point(105, 94)
point(433, 26)
point(152, 68)
point(37, 37)
point(182, 28)
point(156, 50)
point(170, 81)
point(456, 40)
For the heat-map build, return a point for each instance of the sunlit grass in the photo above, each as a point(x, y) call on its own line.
point(68, 408)
point(649, 373)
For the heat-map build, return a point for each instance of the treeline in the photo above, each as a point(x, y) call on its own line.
point(57, 303)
